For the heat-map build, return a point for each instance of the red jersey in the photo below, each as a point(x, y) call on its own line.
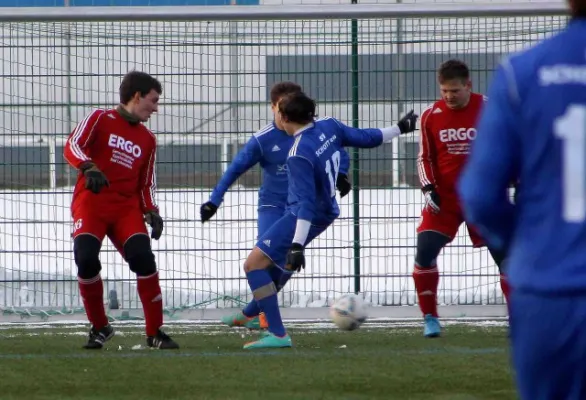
point(446, 136)
point(124, 152)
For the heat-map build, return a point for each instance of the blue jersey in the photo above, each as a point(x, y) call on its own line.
point(314, 164)
point(534, 129)
point(269, 148)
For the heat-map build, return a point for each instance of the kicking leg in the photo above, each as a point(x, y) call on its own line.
point(271, 249)
point(251, 316)
point(280, 277)
point(267, 216)
point(264, 291)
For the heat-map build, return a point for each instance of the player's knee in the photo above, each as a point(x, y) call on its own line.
point(429, 245)
point(246, 267)
point(86, 252)
point(139, 256)
point(249, 266)
point(256, 260)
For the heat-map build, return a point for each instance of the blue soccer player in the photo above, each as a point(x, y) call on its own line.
point(269, 148)
point(534, 129)
point(313, 167)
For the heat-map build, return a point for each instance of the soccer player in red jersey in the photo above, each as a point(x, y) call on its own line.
point(448, 128)
point(114, 196)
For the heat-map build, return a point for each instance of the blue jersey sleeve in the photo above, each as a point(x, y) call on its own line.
point(302, 182)
point(246, 158)
point(492, 163)
point(344, 162)
point(363, 138)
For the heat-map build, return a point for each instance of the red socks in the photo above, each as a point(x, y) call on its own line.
point(426, 283)
point(92, 294)
point(506, 290)
point(149, 292)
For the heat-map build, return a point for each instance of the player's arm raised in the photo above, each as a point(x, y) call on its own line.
point(301, 181)
point(373, 137)
point(76, 151)
point(493, 163)
point(246, 158)
point(148, 188)
point(426, 164)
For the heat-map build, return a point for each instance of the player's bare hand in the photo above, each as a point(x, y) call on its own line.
point(408, 122)
point(343, 184)
point(432, 199)
point(156, 222)
point(95, 179)
point(295, 257)
point(207, 211)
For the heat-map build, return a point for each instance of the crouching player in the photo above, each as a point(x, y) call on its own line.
point(114, 195)
point(448, 128)
point(313, 167)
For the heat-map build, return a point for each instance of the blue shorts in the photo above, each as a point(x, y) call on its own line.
point(267, 216)
point(548, 334)
point(276, 242)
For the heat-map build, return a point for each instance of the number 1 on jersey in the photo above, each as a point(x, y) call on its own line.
point(333, 174)
point(571, 128)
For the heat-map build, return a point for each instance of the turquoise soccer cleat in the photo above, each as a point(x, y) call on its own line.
point(269, 341)
point(431, 326)
point(241, 320)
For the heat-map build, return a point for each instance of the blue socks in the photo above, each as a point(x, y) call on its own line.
point(252, 309)
point(280, 278)
point(265, 293)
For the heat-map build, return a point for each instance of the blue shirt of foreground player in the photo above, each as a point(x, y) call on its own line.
point(313, 166)
point(534, 129)
point(269, 148)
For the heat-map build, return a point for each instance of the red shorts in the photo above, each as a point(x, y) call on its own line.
point(447, 221)
point(119, 224)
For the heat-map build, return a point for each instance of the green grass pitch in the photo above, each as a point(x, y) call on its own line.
point(381, 360)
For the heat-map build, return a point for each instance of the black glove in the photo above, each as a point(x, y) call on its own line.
point(432, 199)
point(408, 122)
point(295, 257)
point(156, 222)
point(95, 179)
point(207, 211)
point(343, 184)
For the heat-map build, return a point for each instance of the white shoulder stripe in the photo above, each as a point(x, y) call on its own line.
point(293, 150)
point(323, 119)
point(264, 130)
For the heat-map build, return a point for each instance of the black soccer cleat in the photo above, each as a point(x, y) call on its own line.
point(161, 341)
point(97, 338)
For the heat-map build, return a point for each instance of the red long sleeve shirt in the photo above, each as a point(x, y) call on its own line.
point(123, 151)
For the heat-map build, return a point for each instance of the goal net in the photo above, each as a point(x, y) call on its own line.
point(216, 77)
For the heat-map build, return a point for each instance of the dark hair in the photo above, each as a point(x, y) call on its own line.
point(577, 8)
point(453, 69)
point(297, 107)
point(283, 88)
point(136, 81)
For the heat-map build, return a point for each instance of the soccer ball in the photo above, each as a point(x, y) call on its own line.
point(348, 312)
